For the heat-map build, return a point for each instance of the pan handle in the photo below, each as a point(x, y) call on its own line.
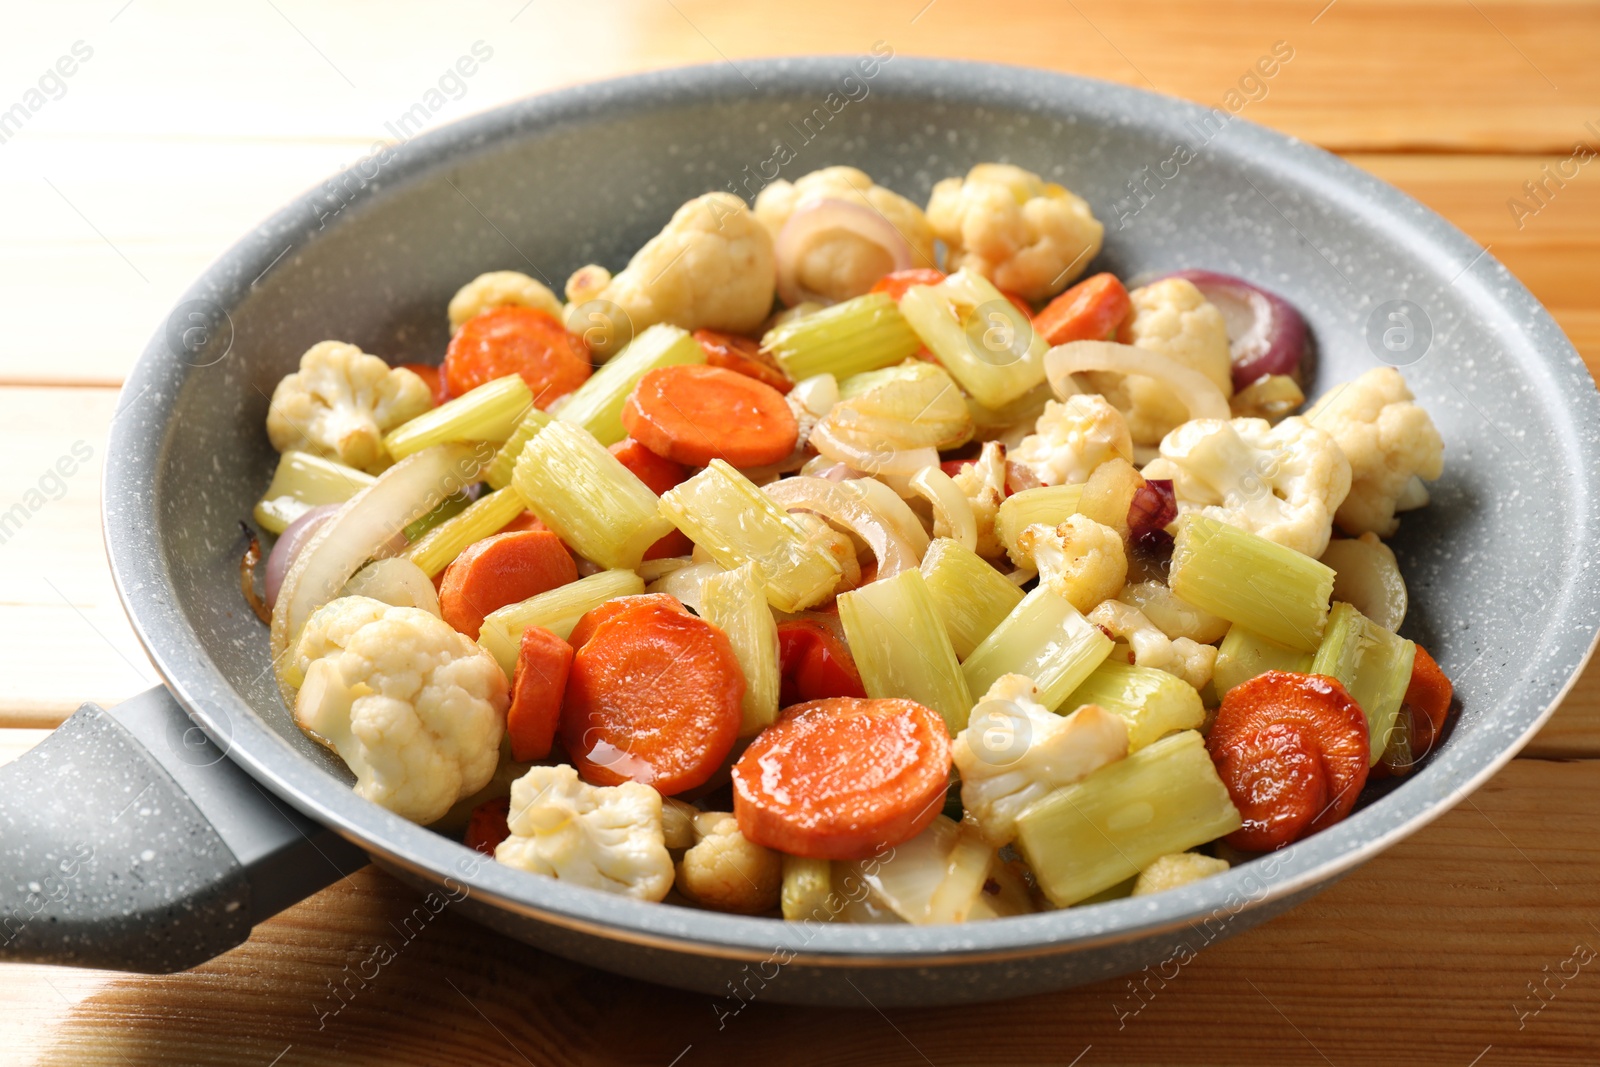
point(129, 841)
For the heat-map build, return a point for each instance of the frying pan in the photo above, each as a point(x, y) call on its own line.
point(153, 836)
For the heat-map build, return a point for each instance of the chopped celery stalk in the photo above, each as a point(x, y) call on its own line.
point(1244, 654)
point(1049, 504)
point(499, 472)
point(807, 885)
point(1153, 702)
point(978, 335)
point(1373, 665)
point(901, 647)
point(724, 513)
point(441, 545)
point(736, 603)
point(597, 403)
point(1100, 831)
point(304, 481)
point(448, 508)
point(858, 335)
point(970, 596)
point(598, 507)
point(488, 413)
point(1045, 638)
point(557, 611)
point(1275, 591)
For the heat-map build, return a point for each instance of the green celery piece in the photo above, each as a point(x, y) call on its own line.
point(557, 610)
point(303, 481)
point(439, 547)
point(499, 472)
point(986, 344)
point(1275, 591)
point(488, 413)
point(596, 405)
point(1045, 638)
point(736, 603)
point(1244, 654)
point(971, 597)
point(448, 508)
point(1051, 505)
point(1372, 664)
point(861, 334)
point(901, 648)
point(1153, 702)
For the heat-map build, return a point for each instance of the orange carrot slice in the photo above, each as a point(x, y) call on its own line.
point(537, 688)
point(499, 570)
point(516, 340)
point(694, 414)
point(742, 356)
point(433, 376)
point(1428, 696)
point(591, 620)
point(1089, 311)
point(813, 664)
point(659, 474)
point(897, 282)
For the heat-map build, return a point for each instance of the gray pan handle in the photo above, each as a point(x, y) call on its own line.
point(129, 841)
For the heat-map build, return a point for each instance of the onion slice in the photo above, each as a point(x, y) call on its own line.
point(364, 528)
point(825, 215)
point(395, 581)
point(834, 502)
point(950, 506)
point(288, 546)
point(903, 462)
point(1197, 392)
point(1266, 334)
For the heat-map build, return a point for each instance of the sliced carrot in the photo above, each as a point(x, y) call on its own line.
point(1428, 696)
point(516, 340)
point(612, 608)
point(502, 569)
point(694, 414)
point(487, 826)
point(897, 282)
point(1020, 304)
point(432, 375)
point(1292, 750)
point(1089, 311)
point(537, 688)
point(841, 779)
point(814, 664)
point(654, 697)
point(659, 474)
point(526, 521)
point(742, 356)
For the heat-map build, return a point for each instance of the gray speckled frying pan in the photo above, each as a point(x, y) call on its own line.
point(130, 841)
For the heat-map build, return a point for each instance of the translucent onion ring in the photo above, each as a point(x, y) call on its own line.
point(950, 506)
point(851, 510)
point(820, 216)
point(886, 499)
point(895, 461)
point(1197, 392)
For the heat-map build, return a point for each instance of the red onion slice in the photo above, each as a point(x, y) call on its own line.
point(1265, 332)
point(817, 217)
point(1153, 508)
point(290, 542)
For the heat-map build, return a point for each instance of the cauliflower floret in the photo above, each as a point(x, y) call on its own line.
point(983, 483)
point(726, 872)
point(1173, 615)
point(1081, 560)
point(341, 402)
point(1015, 751)
point(1028, 236)
point(1390, 442)
point(500, 288)
point(838, 264)
point(1072, 438)
point(1176, 869)
point(1179, 656)
point(1281, 482)
point(414, 708)
point(711, 267)
point(602, 837)
point(1172, 318)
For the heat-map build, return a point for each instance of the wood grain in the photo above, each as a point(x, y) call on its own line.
point(1423, 956)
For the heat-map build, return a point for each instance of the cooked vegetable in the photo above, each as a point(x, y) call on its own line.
point(694, 414)
point(1428, 696)
point(896, 282)
point(901, 648)
point(1049, 505)
point(978, 335)
point(433, 377)
point(1244, 654)
point(1150, 647)
point(849, 505)
point(1185, 392)
point(340, 403)
point(585, 494)
point(504, 568)
point(1177, 869)
point(528, 343)
point(1111, 494)
point(497, 289)
point(736, 603)
point(606, 838)
point(489, 412)
point(1044, 638)
point(487, 826)
point(1293, 751)
point(1071, 439)
point(861, 334)
point(597, 406)
point(1080, 560)
point(499, 472)
point(1273, 397)
point(304, 481)
point(910, 405)
point(842, 778)
point(654, 697)
point(591, 620)
point(807, 888)
point(1153, 702)
point(397, 582)
point(484, 517)
point(1372, 663)
point(1275, 591)
point(742, 355)
point(1089, 311)
point(970, 597)
point(413, 708)
point(537, 688)
point(1266, 335)
point(815, 664)
point(725, 872)
point(557, 611)
point(1366, 575)
point(1153, 508)
point(294, 537)
point(247, 575)
point(736, 523)
point(1173, 615)
point(658, 474)
point(446, 509)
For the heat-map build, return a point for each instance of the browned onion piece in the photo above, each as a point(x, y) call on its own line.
point(820, 216)
point(1265, 332)
point(1153, 508)
point(247, 575)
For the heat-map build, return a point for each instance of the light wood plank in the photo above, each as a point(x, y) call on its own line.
point(1424, 956)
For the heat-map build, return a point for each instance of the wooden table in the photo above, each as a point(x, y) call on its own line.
point(188, 122)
